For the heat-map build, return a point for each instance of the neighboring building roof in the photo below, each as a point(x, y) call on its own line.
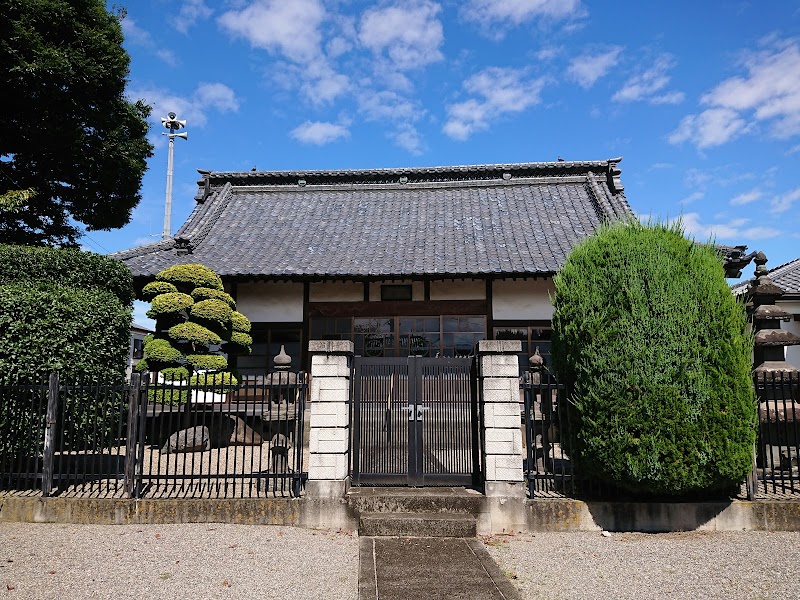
point(785, 276)
point(135, 327)
point(504, 219)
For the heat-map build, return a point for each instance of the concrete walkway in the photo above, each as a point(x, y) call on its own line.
point(429, 568)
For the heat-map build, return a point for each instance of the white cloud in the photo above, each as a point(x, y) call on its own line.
point(194, 108)
point(141, 37)
point(746, 197)
point(588, 68)
point(710, 128)
point(319, 133)
point(409, 32)
point(733, 230)
point(408, 138)
point(495, 91)
point(519, 11)
point(649, 84)
point(782, 203)
point(692, 198)
point(769, 93)
point(291, 28)
point(190, 13)
point(388, 105)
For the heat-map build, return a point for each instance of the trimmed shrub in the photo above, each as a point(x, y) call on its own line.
point(218, 382)
point(207, 362)
point(81, 333)
point(240, 323)
point(67, 267)
point(160, 350)
point(154, 288)
point(189, 322)
point(215, 312)
point(240, 343)
point(202, 293)
point(175, 374)
point(194, 334)
point(190, 276)
point(169, 395)
point(655, 354)
point(173, 302)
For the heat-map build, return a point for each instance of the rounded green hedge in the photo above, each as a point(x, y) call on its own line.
point(207, 362)
point(154, 288)
point(655, 354)
point(175, 374)
point(160, 350)
point(240, 343)
point(79, 332)
point(67, 267)
point(216, 312)
point(194, 333)
point(203, 293)
point(217, 382)
point(189, 276)
point(240, 323)
point(168, 395)
point(169, 303)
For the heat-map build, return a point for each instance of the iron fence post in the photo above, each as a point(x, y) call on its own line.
point(131, 434)
point(49, 435)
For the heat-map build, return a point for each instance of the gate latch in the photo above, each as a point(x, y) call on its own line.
point(421, 409)
point(410, 409)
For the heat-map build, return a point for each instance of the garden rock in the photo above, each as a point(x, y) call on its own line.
point(230, 430)
point(193, 439)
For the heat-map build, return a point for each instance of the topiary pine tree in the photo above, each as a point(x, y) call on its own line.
point(193, 313)
point(655, 353)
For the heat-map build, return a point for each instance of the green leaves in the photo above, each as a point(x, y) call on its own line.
point(64, 66)
point(654, 349)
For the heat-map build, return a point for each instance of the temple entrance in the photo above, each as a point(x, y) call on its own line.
point(415, 422)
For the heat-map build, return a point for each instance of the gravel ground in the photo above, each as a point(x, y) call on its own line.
point(175, 561)
point(696, 565)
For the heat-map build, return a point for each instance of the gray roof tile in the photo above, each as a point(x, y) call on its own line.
point(466, 220)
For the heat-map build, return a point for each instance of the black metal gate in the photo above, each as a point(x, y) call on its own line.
point(415, 422)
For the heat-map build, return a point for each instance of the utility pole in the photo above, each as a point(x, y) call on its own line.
point(172, 123)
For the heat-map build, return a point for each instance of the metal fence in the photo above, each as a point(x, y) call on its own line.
point(548, 468)
point(154, 439)
point(778, 447)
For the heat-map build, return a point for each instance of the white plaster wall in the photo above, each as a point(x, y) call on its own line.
point(417, 289)
point(270, 302)
point(523, 299)
point(468, 289)
point(792, 352)
point(336, 291)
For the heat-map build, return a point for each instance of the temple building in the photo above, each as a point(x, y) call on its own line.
point(412, 261)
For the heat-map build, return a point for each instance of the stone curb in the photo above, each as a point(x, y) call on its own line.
point(495, 515)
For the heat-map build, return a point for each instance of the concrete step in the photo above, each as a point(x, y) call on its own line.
point(416, 525)
point(415, 500)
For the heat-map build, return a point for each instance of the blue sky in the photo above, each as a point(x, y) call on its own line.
point(702, 99)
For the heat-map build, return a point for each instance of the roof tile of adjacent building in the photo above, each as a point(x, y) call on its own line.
point(502, 219)
point(785, 276)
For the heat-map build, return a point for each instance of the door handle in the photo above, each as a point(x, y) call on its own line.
point(421, 409)
point(410, 409)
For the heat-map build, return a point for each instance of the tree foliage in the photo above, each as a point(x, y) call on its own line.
point(655, 353)
point(73, 149)
point(188, 322)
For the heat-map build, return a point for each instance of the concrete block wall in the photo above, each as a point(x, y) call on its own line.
point(499, 381)
point(330, 412)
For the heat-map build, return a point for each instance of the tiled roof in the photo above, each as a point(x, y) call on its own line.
point(785, 276)
point(512, 219)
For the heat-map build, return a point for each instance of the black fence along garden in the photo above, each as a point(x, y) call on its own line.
point(154, 439)
point(550, 471)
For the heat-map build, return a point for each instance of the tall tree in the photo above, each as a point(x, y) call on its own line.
point(73, 148)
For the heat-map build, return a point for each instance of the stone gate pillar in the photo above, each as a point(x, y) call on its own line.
point(499, 381)
point(329, 443)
